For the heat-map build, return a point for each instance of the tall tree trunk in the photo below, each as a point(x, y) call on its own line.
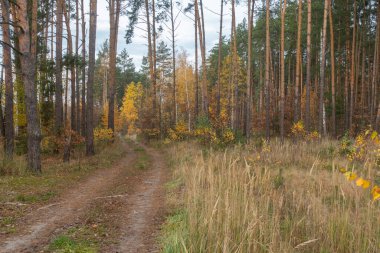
point(114, 9)
point(332, 59)
point(196, 65)
point(297, 104)
point(78, 122)
point(267, 81)
point(28, 73)
point(352, 72)
point(203, 56)
point(90, 84)
point(150, 59)
point(308, 66)
point(7, 64)
point(220, 57)
point(72, 69)
point(65, 95)
point(375, 75)
point(2, 123)
point(282, 75)
point(83, 102)
point(58, 70)
point(154, 59)
point(172, 21)
point(322, 70)
point(235, 69)
point(248, 108)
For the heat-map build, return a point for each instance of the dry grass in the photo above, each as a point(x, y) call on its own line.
point(290, 198)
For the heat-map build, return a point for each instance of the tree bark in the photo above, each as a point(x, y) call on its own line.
point(322, 70)
point(282, 75)
point(83, 120)
point(352, 72)
point(332, 59)
point(220, 56)
point(58, 69)
point(297, 104)
point(235, 67)
point(7, 64)
point(172, 21)
point(28, 73)
point(267, 81)
point(196, 65)
point(78, 121)
point(248, 109)
point(203, 56)
point(308, 66)
point(72, 70)
point(90, 84)
point(114, 9)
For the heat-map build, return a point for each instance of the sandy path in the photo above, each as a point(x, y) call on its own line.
point(146, 207)
point(141, 214)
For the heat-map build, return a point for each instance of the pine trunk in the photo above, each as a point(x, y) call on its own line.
point(28, 61)
point(90, 84)
point(332, 59)
point(7, 65)
point(58, 70)
point(297, 104)
point(282, 75)
point(322, 70)
point(267, 81)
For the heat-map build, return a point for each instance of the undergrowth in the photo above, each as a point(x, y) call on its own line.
point(268, 197)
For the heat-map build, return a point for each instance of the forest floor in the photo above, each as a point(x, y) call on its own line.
point(115, 209)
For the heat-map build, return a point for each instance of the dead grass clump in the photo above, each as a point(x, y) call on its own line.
point(288, 198)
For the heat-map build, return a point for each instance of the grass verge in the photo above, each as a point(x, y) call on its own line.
point(271, 198)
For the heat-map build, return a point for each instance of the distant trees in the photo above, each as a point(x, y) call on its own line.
point(246, 83)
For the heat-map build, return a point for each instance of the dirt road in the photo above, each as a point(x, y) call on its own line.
point(139, 214)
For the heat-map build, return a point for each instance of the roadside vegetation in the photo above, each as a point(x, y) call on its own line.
point(306, 195)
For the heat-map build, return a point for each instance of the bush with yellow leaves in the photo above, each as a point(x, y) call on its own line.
point(180, 132)
point(366, 146)
point(298, 132)
point(103, 135)
point(362, 183)
point(228, 136)
point(206, 135)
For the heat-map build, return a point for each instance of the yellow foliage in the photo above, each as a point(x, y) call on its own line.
point(298, 130)
point(103, 135)
point(206, 135)
point(180, 132)
point(350, 176)
point(129, 110)
point(363, 183)
point(117, 119)
point(375, 192)
point(228, 136)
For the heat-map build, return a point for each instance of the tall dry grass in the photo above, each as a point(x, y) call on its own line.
point(287, 198)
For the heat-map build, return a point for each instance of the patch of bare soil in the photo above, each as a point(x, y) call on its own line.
point(146, 209)
point(129, 204)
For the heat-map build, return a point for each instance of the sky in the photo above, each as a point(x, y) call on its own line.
point(184, 34)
